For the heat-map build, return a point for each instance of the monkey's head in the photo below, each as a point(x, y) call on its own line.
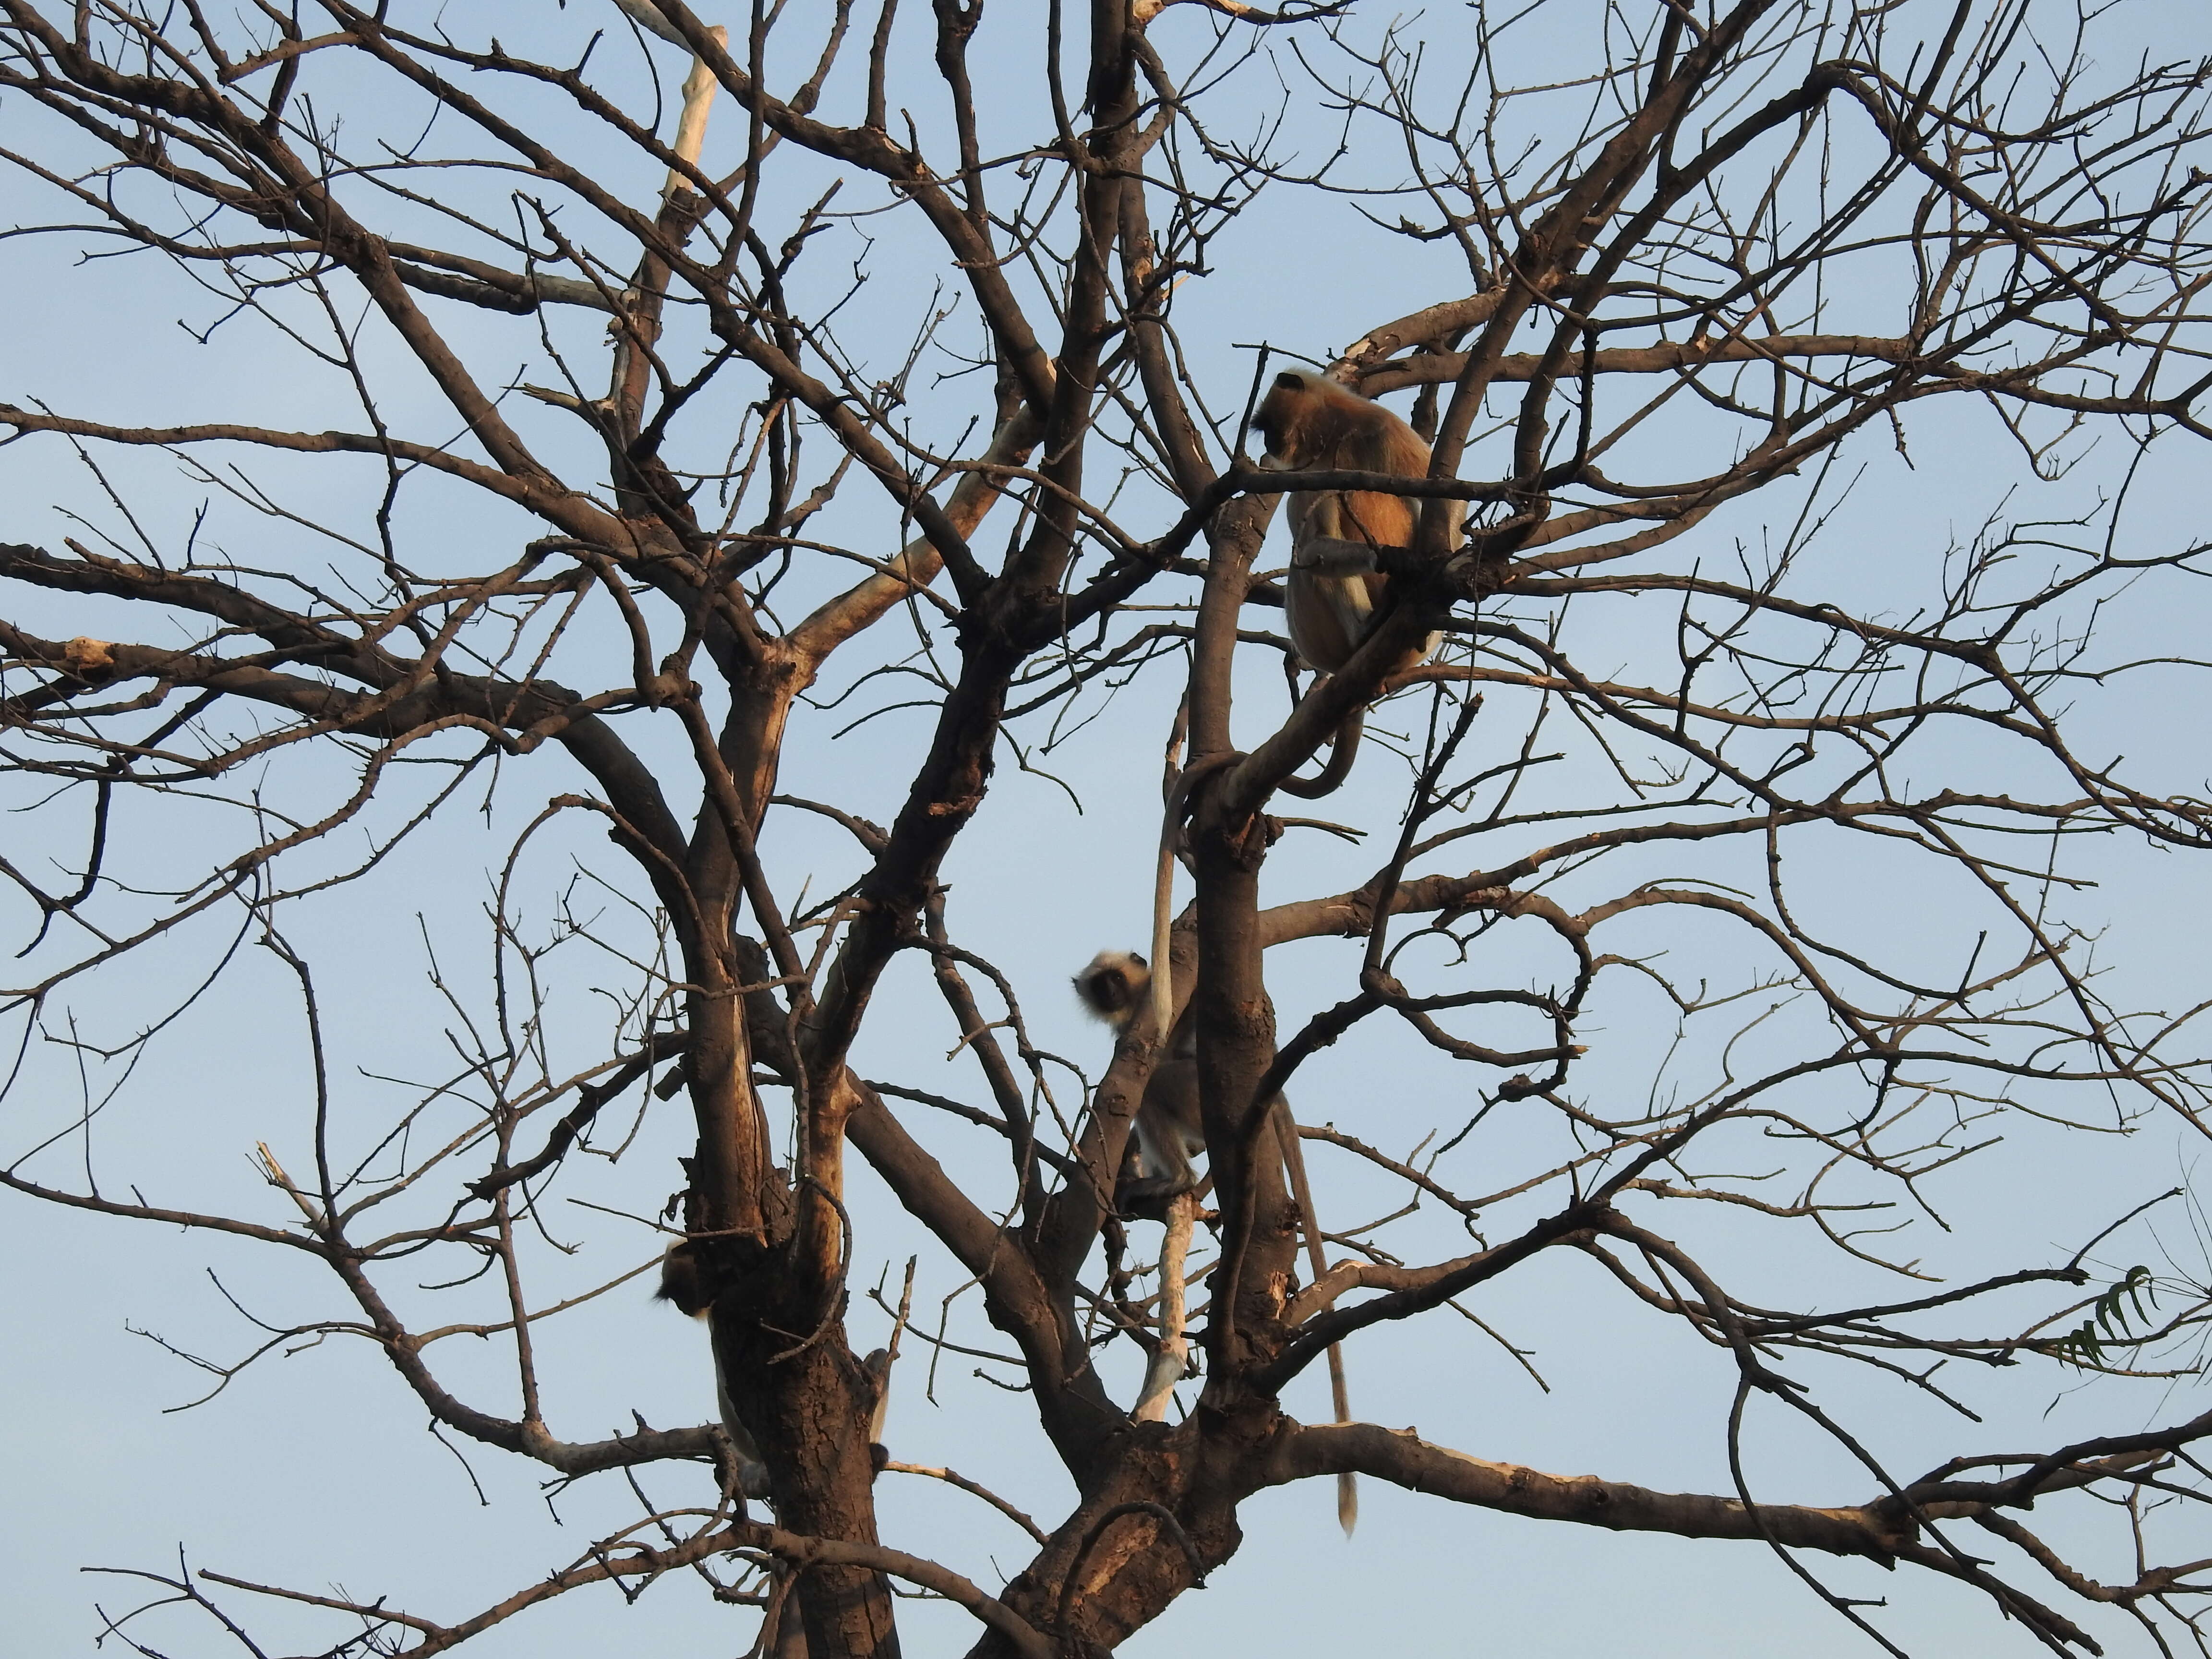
point(1113, 987)
point(686, 1280)
point(1306, 417)
point(1277, 420)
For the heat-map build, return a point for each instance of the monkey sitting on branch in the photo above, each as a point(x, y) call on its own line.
point(1336, 590)
point(1168, 1132)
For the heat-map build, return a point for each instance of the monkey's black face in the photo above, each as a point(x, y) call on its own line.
point(686, 1280)
point(1273, 419)
point(1112, 988)
point(1108, 993)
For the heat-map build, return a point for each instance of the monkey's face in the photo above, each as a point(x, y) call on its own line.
point(1114, 984)
point(1279, 411)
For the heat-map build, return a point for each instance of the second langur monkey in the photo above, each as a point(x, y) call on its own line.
point(1168, 1132)
point(686, 1281)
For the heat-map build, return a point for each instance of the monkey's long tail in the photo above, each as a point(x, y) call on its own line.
point(1343, 750)
point(1347, 1484)
point(1294, 1163)
point(1162, 985)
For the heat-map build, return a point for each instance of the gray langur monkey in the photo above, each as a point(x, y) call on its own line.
point(686, 1282)
point(1155, 1166)
point(1311, 424)
point(1335, 590)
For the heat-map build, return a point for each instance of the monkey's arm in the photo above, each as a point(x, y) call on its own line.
point(1333, 555)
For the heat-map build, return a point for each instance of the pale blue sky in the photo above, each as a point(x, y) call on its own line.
point(314, 1469)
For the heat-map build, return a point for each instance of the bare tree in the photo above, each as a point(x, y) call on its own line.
point(1681, 268)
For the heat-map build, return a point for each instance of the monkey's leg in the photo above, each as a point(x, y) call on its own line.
point(1294, 1164)
point(1327, 599)
point(1173, 1357)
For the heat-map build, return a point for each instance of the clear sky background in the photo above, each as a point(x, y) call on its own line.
point(314, 1467)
